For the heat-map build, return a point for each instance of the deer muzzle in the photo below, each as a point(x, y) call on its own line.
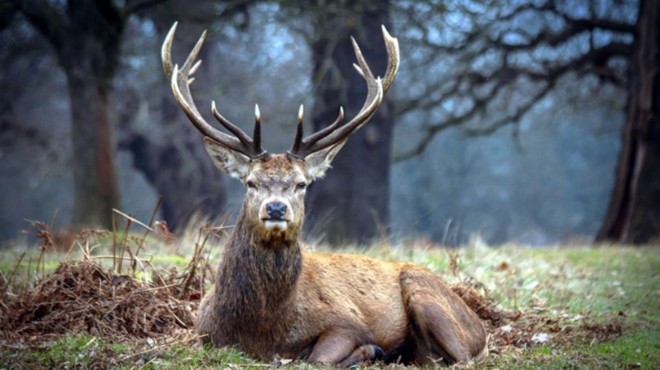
point(276, 214)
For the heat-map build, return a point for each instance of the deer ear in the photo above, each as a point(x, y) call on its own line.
point(230, 162)
point(319, 162)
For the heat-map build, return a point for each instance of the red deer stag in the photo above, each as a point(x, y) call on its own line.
point(269, 298)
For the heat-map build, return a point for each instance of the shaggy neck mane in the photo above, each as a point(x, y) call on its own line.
point(256, 282)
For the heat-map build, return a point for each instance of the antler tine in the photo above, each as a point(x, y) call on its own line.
point(392, 46)
point(362, 67)
point(335, 134)
point(181, 78)
point(240, 134)
point(257, 131)
point(313, 138)
point(166, 51)
point(297, 141)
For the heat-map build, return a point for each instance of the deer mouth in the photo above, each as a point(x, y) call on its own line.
point(275, 224)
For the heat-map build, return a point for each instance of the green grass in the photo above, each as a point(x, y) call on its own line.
point(70, 351)
point(605, 300)
point(638, 349)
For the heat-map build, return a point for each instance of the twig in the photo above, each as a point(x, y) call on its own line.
point(155, 271)
point(114, 243)
point(86, 253)
point(454, 264)
point(132, 219)
point(123, 243)
point(183, 324)
point(151, 222)
point(41, 262)
point(108, 256)
point(14, 271)
point(132, 257)
point(192, 268)
point(147, 363)
point(90, 342)
point(27, 281)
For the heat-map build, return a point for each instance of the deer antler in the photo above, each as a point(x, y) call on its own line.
point(335, 133)
point(181, 78)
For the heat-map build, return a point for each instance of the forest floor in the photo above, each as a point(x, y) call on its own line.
point(127, 300)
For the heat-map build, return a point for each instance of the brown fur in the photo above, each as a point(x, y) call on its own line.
point(271, 299)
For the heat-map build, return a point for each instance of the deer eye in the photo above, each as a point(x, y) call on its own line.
point(250, 184)
point(301, 185)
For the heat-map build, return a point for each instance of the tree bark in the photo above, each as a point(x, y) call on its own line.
point(89, 53)
point(633, 215)
point(94, 174)
point(351, 203)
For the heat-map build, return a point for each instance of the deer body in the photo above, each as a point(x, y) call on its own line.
point(292, 316)
point(271, 299)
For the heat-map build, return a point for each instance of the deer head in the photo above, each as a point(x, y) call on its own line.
point(275, 183)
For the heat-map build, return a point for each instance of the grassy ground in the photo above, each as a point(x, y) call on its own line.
point(572, 307)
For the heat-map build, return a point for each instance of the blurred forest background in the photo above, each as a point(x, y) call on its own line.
point(526, 121)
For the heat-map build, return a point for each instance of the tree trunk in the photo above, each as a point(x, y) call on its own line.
point(351, 203)
point(86, 36)
point(94, 174)
point(633, 215)
point(89, 53)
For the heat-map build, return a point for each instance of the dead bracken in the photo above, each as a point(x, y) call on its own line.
point(83, 297)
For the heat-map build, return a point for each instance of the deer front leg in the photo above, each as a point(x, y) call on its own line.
point(342, 348)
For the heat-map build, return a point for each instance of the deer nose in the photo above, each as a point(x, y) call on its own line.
point(276, 210)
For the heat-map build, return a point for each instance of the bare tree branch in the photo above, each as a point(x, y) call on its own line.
point(512, 118)
point(485, 62)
